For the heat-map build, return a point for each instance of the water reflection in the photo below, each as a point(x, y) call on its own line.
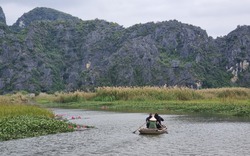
point(113, 135)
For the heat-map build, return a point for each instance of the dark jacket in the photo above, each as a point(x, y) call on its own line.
point(159, 118)
point(147, 119)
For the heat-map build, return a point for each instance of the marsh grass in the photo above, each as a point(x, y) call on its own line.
point(226, 93)
point(10, 110)
point(228, 101)
point(61, 97)
point(145, 93)
point(13, 105)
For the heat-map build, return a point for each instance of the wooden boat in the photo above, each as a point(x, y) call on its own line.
point(153, 131)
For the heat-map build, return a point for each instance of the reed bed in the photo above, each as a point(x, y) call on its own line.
point(145, 93)
point(225, 93)
point(17, 105)
point(229, 101)
point(10, 110)
point(17, 98)
point(62, 97)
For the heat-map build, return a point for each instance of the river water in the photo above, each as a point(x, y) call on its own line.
point(113, 136)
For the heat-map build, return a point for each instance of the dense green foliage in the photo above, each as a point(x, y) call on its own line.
point(30, 126)
point(22, 120)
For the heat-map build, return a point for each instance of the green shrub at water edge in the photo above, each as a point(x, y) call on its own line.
point(30, 126)
point(21, 121)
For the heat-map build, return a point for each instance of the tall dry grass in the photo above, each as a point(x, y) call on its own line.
point(20, 109)
point(17, 104)
point(63, 97)
point(236, 93)
point(12, 99)
point(146, 93)
point(230, 101)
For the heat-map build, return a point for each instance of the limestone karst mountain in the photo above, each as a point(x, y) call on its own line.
point(47, 50)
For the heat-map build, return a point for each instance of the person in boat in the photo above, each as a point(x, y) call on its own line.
point(147, 119)
point(152, 123)
point(159, 119)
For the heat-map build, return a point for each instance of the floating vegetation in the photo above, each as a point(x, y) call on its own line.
point(23, 120)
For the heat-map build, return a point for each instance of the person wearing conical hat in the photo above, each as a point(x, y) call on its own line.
point(152, 123)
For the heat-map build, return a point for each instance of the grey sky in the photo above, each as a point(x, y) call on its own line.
point(217, 17)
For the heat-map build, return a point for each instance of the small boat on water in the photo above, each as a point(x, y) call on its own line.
point(153, 131)
point(153, 125)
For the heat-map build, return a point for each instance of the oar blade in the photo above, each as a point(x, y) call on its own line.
point(139, 128)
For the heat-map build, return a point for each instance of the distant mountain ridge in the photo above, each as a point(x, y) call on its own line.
point(47, 50)
point(42, 14)
point(2, 16)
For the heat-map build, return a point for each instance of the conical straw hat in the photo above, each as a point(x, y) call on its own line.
point(152, 118)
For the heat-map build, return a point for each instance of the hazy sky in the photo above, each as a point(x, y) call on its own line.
point(217, 17)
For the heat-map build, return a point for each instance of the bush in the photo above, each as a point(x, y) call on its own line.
point(30, 126)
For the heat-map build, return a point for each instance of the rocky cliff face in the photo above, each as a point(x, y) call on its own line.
point(47, 50)
point(235, 49)
point(2, 16)
point(42, 14)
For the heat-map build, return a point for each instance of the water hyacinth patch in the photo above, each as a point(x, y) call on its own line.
point(29, 126)
point(22, 120)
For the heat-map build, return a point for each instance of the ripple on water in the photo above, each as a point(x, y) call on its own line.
point(113, 136)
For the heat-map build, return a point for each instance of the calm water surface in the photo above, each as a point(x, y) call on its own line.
point(188, 135)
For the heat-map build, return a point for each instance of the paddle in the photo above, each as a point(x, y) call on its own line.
point(139, 127)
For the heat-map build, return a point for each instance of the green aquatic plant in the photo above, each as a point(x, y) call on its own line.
point(21, 121)
point(30, 126)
